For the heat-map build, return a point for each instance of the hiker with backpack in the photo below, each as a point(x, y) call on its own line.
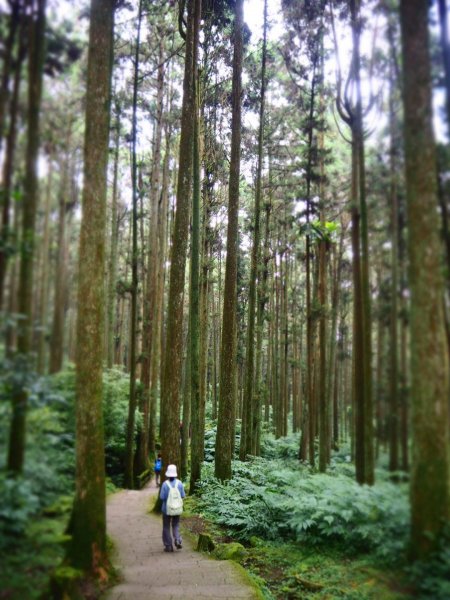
point(172, 494)
point(158, 466)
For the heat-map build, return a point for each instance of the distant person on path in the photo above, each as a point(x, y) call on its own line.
point(158, 467)
point(172, 494)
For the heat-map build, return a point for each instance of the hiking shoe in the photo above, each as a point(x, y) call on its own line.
point(168, 549)
point(179, 545)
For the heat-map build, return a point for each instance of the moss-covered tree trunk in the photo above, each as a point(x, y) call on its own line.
point(88, 523)
point(227, 399)
point(430, 483)
point(36, 43)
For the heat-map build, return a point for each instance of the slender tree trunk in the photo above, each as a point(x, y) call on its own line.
point(87, 549)
point(114, 236)
point(57, 337)
point(129, 453)
point(158, 331)
point(225, 425)
point(262, 301)
point(194, 308)
point(13, 26)
point(43, 302)
point(248, 435)
point(16, 454)
point(150, 298)
point(358, 340)
point(430, 483)
point(6, 237)
point(186, 409)
point(393, 375)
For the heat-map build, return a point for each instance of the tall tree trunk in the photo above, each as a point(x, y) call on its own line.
point(170, 402)
point(225, 425)
point(114, 235)
point(129, 452)
point(194, 308)
point(159, 313)
point(87, 549)
point(430, 484)
point(364, 432)
point(262, 301)
point(44, 276)
point(16, 454)
point(13, 25)
point(393, 353)
point(6, 237)
point(248, 435)
point(151, 288)
point(57, 336)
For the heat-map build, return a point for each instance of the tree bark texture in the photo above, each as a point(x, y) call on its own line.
point(430, 483)
point(173, 351)
point(227, 400)
point(87, 548)
point(16, 454)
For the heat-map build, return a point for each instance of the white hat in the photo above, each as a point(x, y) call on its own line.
point(171, 471)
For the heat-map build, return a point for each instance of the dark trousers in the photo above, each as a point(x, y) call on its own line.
point(167, 534)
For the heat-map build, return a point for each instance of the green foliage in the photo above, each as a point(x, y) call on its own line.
point(115, 412)
point(284, 447)
point(278, 499)
point(17, 504)
point(210, 440)
point(433, 576)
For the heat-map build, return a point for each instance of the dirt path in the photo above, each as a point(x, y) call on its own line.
point(151, 574)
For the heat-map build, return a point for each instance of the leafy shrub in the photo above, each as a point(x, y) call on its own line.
point(284, 447)
point(18, 503)
point(238, 504)
point(323, 506)
point(278, 500)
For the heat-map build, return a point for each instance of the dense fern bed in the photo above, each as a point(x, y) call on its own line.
point(317, 535)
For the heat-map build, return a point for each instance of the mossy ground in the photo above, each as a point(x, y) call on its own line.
point(292, 571)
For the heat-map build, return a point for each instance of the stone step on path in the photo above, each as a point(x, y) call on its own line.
point(149, 573)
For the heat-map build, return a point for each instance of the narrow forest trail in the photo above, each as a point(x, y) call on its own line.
point(149, 573)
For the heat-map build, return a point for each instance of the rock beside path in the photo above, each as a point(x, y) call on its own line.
point(149, 573)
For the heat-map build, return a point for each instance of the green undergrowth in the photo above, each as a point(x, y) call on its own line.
point(35, 507)
point(28, 562)
point(279, 499)
point(317, 535)
point(288, 570)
